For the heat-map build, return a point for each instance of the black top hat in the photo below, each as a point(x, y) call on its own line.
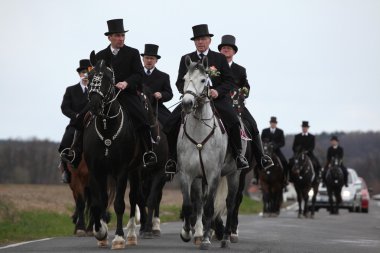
point(228, 40)
point(273, 119)
point(305, 124)
point(83, 64)
point(200, 31)
point(151, 50)
point(334, 138)
point(115, 26)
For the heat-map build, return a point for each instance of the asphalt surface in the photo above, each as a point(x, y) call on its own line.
point(348, 232)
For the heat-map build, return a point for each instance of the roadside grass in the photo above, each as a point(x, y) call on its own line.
point(16, 226)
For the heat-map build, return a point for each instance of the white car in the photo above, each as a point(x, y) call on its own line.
point(350, 200)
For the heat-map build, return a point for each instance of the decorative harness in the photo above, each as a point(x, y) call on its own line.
point(107, 99)
point(199, 99)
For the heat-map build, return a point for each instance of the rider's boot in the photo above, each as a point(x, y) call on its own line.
point(263, 161)
point(149, 157)
point(73, 155)
point(241, 161)
point(66, 175)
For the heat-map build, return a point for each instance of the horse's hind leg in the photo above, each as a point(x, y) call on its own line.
point(119, 205)
point(299, 200)
point(80, 224)
point(238, 200)
point(306, 201)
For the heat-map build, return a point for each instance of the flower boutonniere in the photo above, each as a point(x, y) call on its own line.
point(212, 71)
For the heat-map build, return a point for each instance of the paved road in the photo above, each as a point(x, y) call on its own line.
point(348, 232)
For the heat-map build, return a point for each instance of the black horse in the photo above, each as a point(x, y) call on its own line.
point(334, 184)
point(148, 189)
point(111, 149)
point(304, 178)
point(272, 183)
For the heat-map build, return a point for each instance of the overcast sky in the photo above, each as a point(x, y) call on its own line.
point(306, 60)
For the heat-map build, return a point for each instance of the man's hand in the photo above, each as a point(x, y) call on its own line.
point(122, 85)
point(214, 94)
point(157, 95)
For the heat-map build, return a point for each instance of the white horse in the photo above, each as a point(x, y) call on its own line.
point(206, 167)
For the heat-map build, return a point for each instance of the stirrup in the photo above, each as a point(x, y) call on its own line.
point(266, 158)
point(245, 160)
point(170, 174)
point(64, 155)
point(146, 163)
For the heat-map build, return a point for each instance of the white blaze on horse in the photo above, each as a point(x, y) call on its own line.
point(206, 166)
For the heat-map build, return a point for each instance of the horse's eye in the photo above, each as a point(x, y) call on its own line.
point(203, 80)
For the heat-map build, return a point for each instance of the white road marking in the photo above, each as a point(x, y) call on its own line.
point(22, 243)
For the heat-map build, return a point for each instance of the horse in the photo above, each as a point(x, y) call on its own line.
point(206, 168)
point(304, 178)
point(272, 183)
point(238, 103)
point(111, 150)
point(334, 184)
point(152, 179)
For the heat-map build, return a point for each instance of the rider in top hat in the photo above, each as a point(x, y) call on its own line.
point(128, 71)
point(157, 81)
point(305, 141)
point(220, 88)
point(239, 74)
point(335, 150)
point(276, 136)
point(73, 104)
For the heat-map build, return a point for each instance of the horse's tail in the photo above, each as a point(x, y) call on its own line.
point(220, 198)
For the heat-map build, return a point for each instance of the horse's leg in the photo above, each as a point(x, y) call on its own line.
point(119, 205)
point(186, 206)
point(209, 212)
point(235, 214)
point(156, 218)
point(233, 186)
point(134, 193)
point(338, 199)
point(80, 224)
point(313, 199)
point(196, 196)
point(329, 193)
point(299, 200)
point(305, 194)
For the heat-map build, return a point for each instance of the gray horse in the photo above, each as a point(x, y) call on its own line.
point(208, 175)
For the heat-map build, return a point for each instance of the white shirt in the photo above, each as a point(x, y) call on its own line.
point(82, 86)
point(114, 51)
point(305, 134)
point(205, 53)
point(272, 130)
point(230, 63)
point(151, 71)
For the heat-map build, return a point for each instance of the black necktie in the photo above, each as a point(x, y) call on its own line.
point(201, 55)
point(85, 91)
point(148, 72)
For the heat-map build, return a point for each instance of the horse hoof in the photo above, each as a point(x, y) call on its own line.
point(157, 233)
point(148, 235)
point(185, 236)
point(225, 244)
point(131, 240)
point(205, 245)
point(103, 243)
point(197, 240)
point(234, 238)
point(80, 233)
point(118, 242)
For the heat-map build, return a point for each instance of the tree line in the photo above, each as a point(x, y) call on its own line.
point(36, 161)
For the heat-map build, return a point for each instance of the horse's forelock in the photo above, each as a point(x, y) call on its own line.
point(196, 66)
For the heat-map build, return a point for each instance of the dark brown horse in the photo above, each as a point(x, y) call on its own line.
point(272, 183)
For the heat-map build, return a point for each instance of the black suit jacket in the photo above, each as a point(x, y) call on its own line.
point(74, 102)
point(127, 67)
point(334, 152)
point(223, 83)
point(239, 75)
point(159, 81)
point(306, 143)
point(277, 138)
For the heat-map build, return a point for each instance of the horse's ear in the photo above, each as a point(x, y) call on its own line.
point(187, 61)
point(205, 62)
point(93, 58)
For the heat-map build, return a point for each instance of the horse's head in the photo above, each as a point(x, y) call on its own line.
point(195, 86)
point(101, 87)
point(300, 164)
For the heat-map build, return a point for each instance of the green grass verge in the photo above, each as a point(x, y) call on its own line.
point(16, 226)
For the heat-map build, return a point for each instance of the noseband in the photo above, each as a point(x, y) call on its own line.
point(199, 99)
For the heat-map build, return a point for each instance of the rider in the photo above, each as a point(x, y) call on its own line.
point(157, 81)
point(128, 71)
point(335, 150)
point(73, 104)
point(276, 136)
point(228, 48)
point(221, 84)
point(305, 141)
